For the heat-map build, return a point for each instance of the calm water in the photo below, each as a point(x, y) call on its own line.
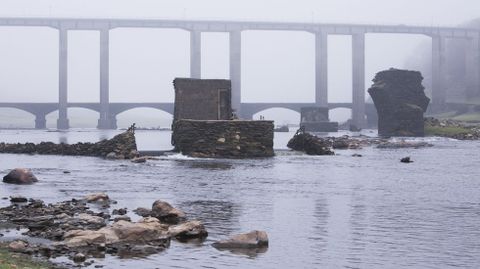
point(320, 212)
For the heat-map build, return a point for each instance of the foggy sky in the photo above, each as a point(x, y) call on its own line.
point(277, 66)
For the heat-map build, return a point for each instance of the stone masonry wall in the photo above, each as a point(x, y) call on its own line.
point(223, 139)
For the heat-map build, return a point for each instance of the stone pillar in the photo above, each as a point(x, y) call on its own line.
point(358, 77)
point(40, 121)
point(62, 121)
point(195, 54)
point(438, 73)
point(236, 69)
point(321, 69)
point(472, 56)
point(105, 120)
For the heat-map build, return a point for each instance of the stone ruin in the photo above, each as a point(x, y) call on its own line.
point(315, 119)
point(204, 125)
point(122, 146)
point(400, 101)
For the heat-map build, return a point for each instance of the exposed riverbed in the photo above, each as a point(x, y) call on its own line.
point(319, 211)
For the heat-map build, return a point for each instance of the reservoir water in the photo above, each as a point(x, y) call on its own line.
point(319, 211)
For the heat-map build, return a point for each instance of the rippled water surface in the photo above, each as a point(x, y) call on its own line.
point(320, 212)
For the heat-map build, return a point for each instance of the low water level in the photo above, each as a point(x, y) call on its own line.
point(319, 211)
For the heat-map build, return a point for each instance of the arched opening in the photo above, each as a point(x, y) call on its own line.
point(144, 62)
point(150, 118)
point(13, 118)
point(280, 116)
point(78, 118)
point(278, 66)
point(340, 115)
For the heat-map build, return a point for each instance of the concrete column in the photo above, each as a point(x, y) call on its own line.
point(472, 56)
point(438, 73)
point(40, 121)
point(195, 54)
point(105, 120)
point(236, 69)
point(62, 121)
point(321, 69)
point(358, 77)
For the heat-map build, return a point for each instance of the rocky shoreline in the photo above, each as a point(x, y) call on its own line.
point(86, 228)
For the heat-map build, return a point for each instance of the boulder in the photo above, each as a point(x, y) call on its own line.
point(167, 213)
point(79, 257)
point(97, 198)
point(20, 176)
point(18, 199)
point(310, 144)
point(400, 101)
point(83, 238)
point(253, 239)
point(188, 230)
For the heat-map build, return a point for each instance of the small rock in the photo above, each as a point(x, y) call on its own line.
point(18, 199)
point(167, 213)
point(121, 211)
point(357, 155)
point(66, 172)
point(18, 246)
point(139, 160)
point(124, 218)
point(406, 160)
point(97, 198)
point(20, 176)
point(188, 230)
point(143, 212)
point(79, 257)
point(253, 239)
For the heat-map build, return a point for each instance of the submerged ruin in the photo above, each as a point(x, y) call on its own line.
point(316, 119)
point(400, 101)
point(205, 125)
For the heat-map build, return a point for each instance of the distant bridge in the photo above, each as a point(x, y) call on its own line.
point(248, 110)
point(108, 111)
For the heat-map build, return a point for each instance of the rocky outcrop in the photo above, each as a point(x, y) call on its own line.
point(223, 138)
point(122, 146)
point(167, 213)
point(400, 101)
point(253, 239)
point(20, 176)
point(310, 144)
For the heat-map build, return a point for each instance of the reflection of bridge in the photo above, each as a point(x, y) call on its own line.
point(439, 35)
point(41, 110)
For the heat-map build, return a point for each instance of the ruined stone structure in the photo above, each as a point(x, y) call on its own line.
point(202, 99)
point(400, 100)
point(315, 119)
point(223, 138)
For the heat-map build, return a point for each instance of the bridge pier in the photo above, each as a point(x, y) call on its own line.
point(40, 121)
point(321, 69)
point(358, 77)
point(438, 73)
point(236, 69)
point(62, 121)
point(105, 121)
point(472, 57)
point(195, 54)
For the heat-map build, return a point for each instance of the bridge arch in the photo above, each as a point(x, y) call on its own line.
point(144, 116)
point(16, 117)
point(280, 115)
point(78, 116)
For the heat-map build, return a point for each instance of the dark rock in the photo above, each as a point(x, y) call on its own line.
point(139, 160)
point(406, 160)
point(167, 213)
point(20, 176)
point(254, 239)
point(120, 211)
point(124, 218)
point(310, 144)
point(143, 212)
point(357, 155)
point(400, 101)
point(79, 257)
point(18, 199)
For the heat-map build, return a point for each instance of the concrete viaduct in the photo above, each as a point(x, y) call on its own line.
point(108, 110)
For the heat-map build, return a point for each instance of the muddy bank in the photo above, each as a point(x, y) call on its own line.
point(122, 146)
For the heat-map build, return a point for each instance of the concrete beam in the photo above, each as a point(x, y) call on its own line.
point(358, 77)
point(62, 121)
point(236, 69)
point(472, 57)
point(321, 69)
point(195, 54)
point(105, 121)
point(438, 73)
